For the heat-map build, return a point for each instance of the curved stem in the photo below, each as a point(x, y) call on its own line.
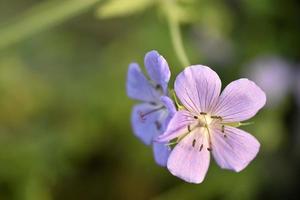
point(40, 17)
point(177, 41)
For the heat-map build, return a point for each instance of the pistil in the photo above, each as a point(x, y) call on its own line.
point(206, 125)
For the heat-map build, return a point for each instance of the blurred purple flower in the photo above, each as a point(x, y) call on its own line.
point(208, 122)
point(298, 87)
point(150, 118)
point(274, 75)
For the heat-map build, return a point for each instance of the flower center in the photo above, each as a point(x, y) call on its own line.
point(206, 120)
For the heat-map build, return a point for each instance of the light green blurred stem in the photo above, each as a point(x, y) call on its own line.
point(40, 17)
point(177, 40)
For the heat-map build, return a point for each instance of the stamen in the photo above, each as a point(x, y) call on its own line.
point(203, 113)
point(189, 128)
point(209, 149)
point(153, 103)
point(223, 129)
point(201, 147)
point(194, 142)
point(195, 117)
point(158, 87)
point(216, 117)
point(143, 115)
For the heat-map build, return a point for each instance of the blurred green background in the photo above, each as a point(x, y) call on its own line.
point(65, 129)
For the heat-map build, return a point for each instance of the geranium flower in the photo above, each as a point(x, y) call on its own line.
point(266, 71)
point(150, 118)
point(207, 124)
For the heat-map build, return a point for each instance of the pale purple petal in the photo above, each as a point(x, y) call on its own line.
point(240, 101)
point(178, 125)
point(161, 153)
point(158, 69)
point(138, 87)
point(189, 160)
point(198, 88)
point(235, 150)
point(146, 121)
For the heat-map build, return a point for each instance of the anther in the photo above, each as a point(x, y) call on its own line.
point(216, 117)
point(194, 142)
point(203, 113)
point(153, 103)
point(142, 116)
point(195, 117)
point(158, 125)
point(201, 147)
point(158, 87)
point(209, 147)
point(189, 128)
point(223, 129)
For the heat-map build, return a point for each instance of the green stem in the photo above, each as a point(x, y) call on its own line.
point(40, 17)
point(177, 41)
point(180, 107)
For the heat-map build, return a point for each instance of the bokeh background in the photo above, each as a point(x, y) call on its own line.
point(65, 129)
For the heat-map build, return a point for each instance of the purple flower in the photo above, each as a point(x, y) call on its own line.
point(274, 75)
point(150, 117)
point(207, 123)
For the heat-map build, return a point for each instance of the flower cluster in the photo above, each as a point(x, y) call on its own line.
point(205, 123)
point(150, 118)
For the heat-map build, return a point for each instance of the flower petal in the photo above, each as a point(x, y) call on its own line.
point(189, 160)
point(146, 121)
point(171, 110)
point(158, 69)
point(161, 153)
point(169, 104)
point(138, 87)
point(240, 101)
point(177, 126)
point(198, 88)
point(235, 150)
